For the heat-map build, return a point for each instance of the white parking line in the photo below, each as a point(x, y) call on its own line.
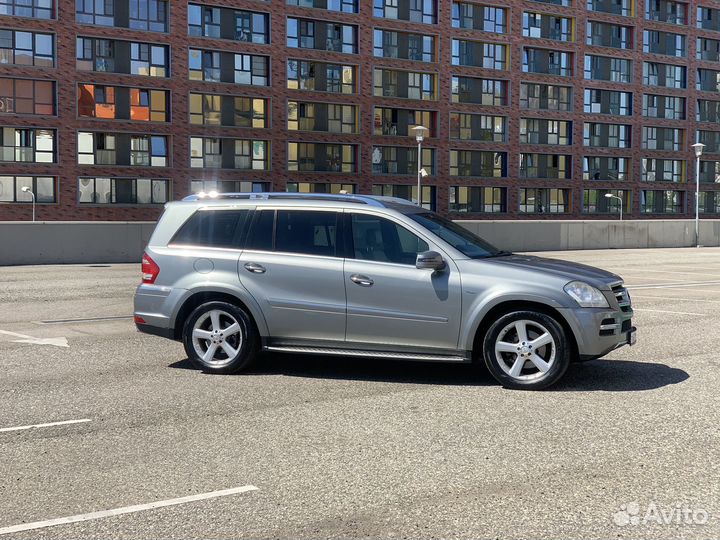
point(671, 285)
point(49, 424)
point(673, 312)
point(124, 510)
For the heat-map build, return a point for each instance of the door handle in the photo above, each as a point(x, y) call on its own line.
point(255, 268)
point(363, 281)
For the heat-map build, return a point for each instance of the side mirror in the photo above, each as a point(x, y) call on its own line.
point(430, 260)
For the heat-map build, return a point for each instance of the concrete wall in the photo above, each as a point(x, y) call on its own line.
point(81, 242)
point(65, 242)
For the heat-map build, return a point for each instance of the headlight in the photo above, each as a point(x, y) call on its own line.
point(586, 295)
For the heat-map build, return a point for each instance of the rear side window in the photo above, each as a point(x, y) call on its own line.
point(213, 228)
point(307, 232)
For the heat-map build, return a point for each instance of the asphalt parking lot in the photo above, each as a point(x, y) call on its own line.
point(623, 447)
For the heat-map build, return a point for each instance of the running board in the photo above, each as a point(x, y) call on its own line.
point(368, 354)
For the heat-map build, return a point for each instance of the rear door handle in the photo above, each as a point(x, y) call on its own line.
point(363, 281)
point(255, 268)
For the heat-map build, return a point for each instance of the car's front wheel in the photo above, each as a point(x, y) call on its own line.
point(220, 337)
point(526, 350)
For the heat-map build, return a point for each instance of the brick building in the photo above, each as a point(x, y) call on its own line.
point(534, 108)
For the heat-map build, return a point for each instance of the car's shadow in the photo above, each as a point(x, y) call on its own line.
point(604, 375)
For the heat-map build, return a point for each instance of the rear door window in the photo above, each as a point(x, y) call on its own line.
point(307, 232)
point(213, 228)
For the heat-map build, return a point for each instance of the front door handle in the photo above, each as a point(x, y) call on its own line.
point(363, 281)
point(255, 268)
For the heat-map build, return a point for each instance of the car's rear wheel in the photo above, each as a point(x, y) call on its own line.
point(220, 337)
point(526, 350)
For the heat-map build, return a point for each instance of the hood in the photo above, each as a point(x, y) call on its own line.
point(562, 269)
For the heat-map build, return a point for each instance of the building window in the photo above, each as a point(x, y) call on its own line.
point(404, 84)
point(328, 117)
point(478, 127)
point(43, 187)
point(225, 153)
point(708, 80)
point(390, 44)
point(710, 172)
point(708, 49)
point(319, 187)
point(544, 201)
point(229, 186)
point(479, 91)
point(545, 166)
point(407, 192)
point(665, 75)
point(401, 160)
point(38, 9)
point(666, 11)
point(595, 201)
point(27, 48)
point(148, 150)
point(95, 12)
point(25, 96)
point(487, 164)
point(711, 140)
point(400, 122)
point(605, 168)
point(609, 35)
point(544, 26)
point(545, 97)
point(419, 11)
point(207, 109)
point(608, 102)
point(122, 103)
point(664, 43)
point(604, 68)
point(28, 145)
point(668, 107)
point(304, 75)
point(477, 200)
point(247, 68)
point(321, 157)
point(606, 135)
point(709, 202)
point(140, 150)
point(148, 15)
point(615, 7)
point(708, 18)
point(97, 148)
point(657, 138)
point(662, 202)
point(345, 6)
point(547, 62)
point(149, 60)
point(476, 17)
point(324, 36)
point(541, 131)
point(123, 190)
point(663, 170)
point(479, 54)
point(238, 25)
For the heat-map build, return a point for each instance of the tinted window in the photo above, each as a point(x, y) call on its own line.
point(311, 233)
point(378, 239)
point(261, 233)
point(213, 228)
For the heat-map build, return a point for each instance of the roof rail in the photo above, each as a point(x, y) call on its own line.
point(349, 198)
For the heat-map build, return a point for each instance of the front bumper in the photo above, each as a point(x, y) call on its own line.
point(598, 331)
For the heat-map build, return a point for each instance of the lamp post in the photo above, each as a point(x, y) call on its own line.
point(419, 137)
point(698, 147)
point(611, 196)
point(30, 191)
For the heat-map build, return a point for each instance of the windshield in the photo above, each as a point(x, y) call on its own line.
point(456, 235)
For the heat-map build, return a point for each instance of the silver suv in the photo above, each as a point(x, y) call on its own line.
point(352, 275)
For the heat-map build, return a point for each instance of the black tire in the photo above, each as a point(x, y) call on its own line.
point(530, 376)
point(245, 342)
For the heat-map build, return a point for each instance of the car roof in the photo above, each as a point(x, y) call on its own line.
point(340, 200)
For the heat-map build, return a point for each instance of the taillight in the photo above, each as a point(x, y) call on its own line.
point(150, 270)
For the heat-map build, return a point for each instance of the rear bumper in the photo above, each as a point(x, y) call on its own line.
point(168, 333)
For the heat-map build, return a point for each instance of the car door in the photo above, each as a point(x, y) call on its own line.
point(389, 301)
point(293, 267)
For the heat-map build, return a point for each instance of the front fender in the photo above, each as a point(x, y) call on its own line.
point(482, 305)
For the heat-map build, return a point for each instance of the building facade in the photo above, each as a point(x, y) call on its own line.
point(534, 109)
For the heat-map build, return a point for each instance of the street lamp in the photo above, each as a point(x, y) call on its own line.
point(419, 137)
point(26, 189)
point(611, 196)
point(698, 147)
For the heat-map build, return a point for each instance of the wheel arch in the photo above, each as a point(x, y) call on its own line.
point(503, 307)
point(201, 296)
